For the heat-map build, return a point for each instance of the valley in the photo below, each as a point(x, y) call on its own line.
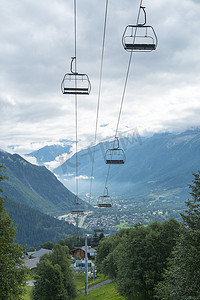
point(129, 211)
point(151, 186)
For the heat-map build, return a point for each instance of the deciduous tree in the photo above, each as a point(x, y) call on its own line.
point(54, 281)
point(145, 253)
point(136, 257)
point(49, 283)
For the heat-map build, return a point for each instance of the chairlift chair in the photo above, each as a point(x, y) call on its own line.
point(77, 211)
point(139, 38)
point(115, 155)
point(105, 200)
point(104, 205)
point(75, 83)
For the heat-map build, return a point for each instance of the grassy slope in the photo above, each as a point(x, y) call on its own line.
point(105, 292)
point(27, 292)
point(80, 281)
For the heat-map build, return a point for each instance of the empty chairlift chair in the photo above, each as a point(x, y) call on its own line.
point(99, 226)
point(77, 210)
point(75, 83)
point(105, 200)
point(139, 38)
point(115, 155)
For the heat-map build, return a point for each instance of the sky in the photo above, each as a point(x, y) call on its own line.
point(37, 43)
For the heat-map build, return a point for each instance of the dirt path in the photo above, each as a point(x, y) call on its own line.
point(99, 284)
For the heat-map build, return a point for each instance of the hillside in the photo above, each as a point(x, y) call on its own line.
point(35, 228)
point(35, 186)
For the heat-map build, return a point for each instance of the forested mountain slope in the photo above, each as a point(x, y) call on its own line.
point(35, 228)
point(35, 186)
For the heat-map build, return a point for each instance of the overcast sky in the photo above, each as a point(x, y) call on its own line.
point(37, 43)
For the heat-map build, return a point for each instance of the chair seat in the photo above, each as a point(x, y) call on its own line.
point(140, 46)
point(76, 91)
point(114, 161)
point(105, 205)
point(74, 212)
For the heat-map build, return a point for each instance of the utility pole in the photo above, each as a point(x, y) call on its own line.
point(86, 268)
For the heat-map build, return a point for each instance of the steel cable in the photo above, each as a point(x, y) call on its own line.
point(123, 94)
point(99, 97)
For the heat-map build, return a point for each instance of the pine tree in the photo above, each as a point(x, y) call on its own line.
point(191, 217)
point(12, 271)
point(182, 278)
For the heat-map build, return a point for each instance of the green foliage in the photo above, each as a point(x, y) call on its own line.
point(49, 286)
point(27, 293)
point(36, 228)
point(192, 213)
point(72, 242)
point(32, 192)
point(106, 292)
point(136, 257)
point(101, 236)
point(105, 248)
point(35, 186)
point(47, 245)
point(79, 279)
point(12, 271)
point(77, 241)
point(31, 249)
point(54, 279)
point(182, 278)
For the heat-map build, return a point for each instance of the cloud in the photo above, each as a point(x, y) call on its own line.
point(84, 177)
point(37, 43)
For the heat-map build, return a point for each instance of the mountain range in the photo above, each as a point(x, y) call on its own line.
point(160, 163)
point(156, 167)
point(49, 153)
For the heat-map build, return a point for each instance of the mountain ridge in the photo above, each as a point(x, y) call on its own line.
point(35, 186)
point(166, 160)
point(49, 153)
